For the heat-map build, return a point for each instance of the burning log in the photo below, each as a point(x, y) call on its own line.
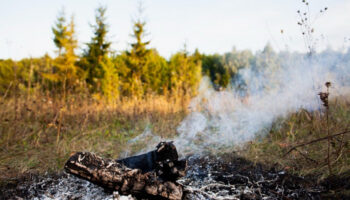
point(148, 175)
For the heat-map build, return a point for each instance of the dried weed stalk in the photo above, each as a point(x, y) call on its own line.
point(324, 99)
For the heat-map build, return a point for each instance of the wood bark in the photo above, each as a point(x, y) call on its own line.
point(148, 175)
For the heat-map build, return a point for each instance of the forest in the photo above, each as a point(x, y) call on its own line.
point(140, 71)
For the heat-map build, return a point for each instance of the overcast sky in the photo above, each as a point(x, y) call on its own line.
point(212, 26)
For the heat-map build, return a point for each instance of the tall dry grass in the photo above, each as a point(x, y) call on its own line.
point(302, 127)
point(39, 132)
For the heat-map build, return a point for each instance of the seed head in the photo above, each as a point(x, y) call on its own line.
point(324, 95)
point(324, 98)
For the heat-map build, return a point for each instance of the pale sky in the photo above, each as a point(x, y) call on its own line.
point(212, 26)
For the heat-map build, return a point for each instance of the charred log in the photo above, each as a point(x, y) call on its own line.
point(164, 161)
point(151, 174)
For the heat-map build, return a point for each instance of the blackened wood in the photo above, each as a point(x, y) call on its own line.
point(163, 160)
point(112, 175)
point(145, 162)
point(151, 174)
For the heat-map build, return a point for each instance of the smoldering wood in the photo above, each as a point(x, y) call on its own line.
point(152, 174)
point(164, 161)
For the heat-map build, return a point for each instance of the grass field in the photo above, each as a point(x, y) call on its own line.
point(38, 133)
point(303, 127)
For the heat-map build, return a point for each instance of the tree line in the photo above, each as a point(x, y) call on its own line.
point(136, 72)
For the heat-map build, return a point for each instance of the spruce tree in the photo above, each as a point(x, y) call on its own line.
point(60, 30)
point(184, 73)
point(214, 67)
point(100, 72)
point(154, 73)
point(65, 72)
point(137, 59)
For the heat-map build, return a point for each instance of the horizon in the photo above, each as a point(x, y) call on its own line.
point(248, 25)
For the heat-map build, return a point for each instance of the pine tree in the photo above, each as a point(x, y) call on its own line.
point(137, 59)
point(65, 72)
point(185, 73)
point(154, 73)
point(60, 30)
point(100, 71)
point(214, 67)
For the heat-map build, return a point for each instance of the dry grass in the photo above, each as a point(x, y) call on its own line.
point(39, 133)
point(301, 127)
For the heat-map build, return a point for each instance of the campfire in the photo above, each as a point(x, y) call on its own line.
point(159, 174)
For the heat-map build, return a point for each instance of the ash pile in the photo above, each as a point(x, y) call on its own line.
point(214, 178)
point(160, 175)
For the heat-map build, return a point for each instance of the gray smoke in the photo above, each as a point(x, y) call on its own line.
point(231, 117)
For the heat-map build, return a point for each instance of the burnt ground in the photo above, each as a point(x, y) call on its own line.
point(214, 178)
point(207, 178)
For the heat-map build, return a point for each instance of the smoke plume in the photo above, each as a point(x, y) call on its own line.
point(233, 116)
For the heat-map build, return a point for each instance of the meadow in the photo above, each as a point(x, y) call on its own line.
point(98, 100)
point(39, 133)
